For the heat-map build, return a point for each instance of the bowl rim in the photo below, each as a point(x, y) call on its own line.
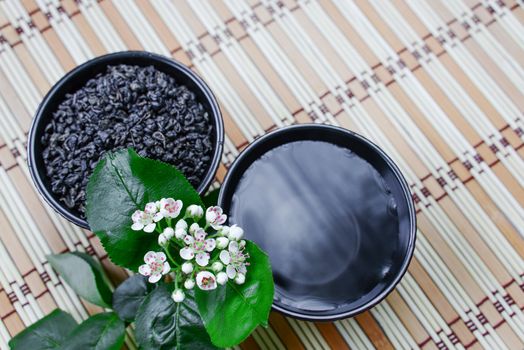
point(310, 316)
point(106, 59)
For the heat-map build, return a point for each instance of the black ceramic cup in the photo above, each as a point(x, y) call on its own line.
point(333, 212)
point(78, 77)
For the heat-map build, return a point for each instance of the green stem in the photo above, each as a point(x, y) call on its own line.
point(177, 242)
point(166, 249)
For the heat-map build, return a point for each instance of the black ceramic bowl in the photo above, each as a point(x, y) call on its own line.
point(78, 77)
point(333, 212)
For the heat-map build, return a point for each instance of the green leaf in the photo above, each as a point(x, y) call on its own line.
point(232, 312)
point(84, 275)
point(129, 295)
point(162, 324)
point(103, 331)
point(121, 183)
point(211, 199)
point(48, 333)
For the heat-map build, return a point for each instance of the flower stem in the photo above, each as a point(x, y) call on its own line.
point(177, 242)
point(166, 249)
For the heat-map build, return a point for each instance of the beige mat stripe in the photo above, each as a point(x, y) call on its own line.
point(454, 92)
point(243, 42)
point(474, 265)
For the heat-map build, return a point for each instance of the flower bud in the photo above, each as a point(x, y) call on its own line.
point(187, 268)
point(240, 278)
point(151, 208)
point(162, 240)
point(178, 296)
point(217, 266)
point(180, 233)
point(195, 211)
point(222, 278)
point(235, 233)
point(181, 224)
point(223, 231)
point(242, 244)
point(193, 227)
point(222, 242)
point(169, 233)
point(189, 284)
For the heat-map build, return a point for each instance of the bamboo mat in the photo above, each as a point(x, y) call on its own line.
point(439, 84)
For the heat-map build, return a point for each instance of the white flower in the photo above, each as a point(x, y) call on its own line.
point(215, 217)
point(240, 278)
point(235, 259)
point(180, 233)
point(169, 233)
point(206, 280)
point(170, 208)
point(178, 296)
point(222, 278)
point(223, 231)
point(155, 266)
point(187, 268)
point(198, 247)
point(242, 244)
point(143, 221)
point(189, 284)
point(152, 208)
point(195, 211)
point(193, 228)
point(217, 266)
point(162, 240)
point(181, 224)
point(235, 233)
point(222, 242)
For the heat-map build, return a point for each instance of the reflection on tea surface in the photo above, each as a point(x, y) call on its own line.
point(326, 218)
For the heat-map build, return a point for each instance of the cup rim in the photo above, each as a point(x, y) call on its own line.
point(333, 316)
point(107, 59)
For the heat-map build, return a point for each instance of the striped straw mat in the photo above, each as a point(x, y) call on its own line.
point(438, 84)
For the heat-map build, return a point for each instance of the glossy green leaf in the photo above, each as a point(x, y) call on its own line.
point(163, 324)
point(230, 313)
point(121, 183)
point(211, 199)
point(103, 331)
point(129, 295)
point(84, 275)
point(48, 333)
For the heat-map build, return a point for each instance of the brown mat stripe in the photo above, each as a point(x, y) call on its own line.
point(438, 84)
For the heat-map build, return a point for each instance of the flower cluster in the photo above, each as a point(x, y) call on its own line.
point(207, 256)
